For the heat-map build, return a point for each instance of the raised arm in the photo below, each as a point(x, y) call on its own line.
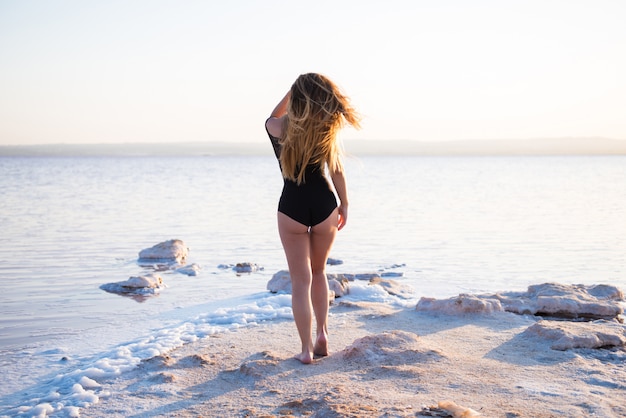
point(339, 181)
point(274, 123)
point(281, 107)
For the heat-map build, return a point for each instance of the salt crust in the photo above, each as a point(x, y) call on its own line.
point(566, 335)
point(384, 361)
point(547, 299)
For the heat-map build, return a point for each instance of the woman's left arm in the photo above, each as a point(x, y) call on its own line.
point(339, 181)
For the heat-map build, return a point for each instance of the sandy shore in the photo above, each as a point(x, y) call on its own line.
point(384, 362)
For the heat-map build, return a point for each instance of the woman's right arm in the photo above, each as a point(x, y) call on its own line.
point(274, 124)
point(281, 107)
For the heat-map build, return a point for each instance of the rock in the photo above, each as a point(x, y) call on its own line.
point(281, 283)
point(334, 262)
point(150, 281)
point(246, 267)
point(241, 267)
point(567, 335)
point(393, 287)
point(360, 276)
point(339, 283)
point(339, 286)
point(384, 273)
point(392, 274)
point(136, 285)
point(395, 266)
point(462, 304)
point(548, 299)
point(172, 251)
point(189, 270)
point(565, 301)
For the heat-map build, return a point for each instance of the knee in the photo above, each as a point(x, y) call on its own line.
point(301, 280)
point(319, 273)
point(318, 269)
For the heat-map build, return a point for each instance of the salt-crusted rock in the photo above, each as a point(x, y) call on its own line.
point(139, 285)
point(339, 283)
point(567, 301)
point(339, 286)
point(149, 281)
point(172, 251)
point(246, 267)
point(548, 299)
point(189, 270)
point(334, 261)
point(462, 304)
point(393, 287)
point(395, 266)
point(281, 282)
point(566, 335)
point(360, 276)
point(392, 274)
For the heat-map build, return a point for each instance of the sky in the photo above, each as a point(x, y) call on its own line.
point(110, 71)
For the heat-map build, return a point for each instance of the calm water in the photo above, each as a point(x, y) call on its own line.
point(449, 224)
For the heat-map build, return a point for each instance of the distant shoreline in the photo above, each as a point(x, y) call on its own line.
point(549, 146)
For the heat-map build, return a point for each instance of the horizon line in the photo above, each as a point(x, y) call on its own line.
point(531, 146)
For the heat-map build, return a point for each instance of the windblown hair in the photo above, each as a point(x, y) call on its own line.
point(316, 111)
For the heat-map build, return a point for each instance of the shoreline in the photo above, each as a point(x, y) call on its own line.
point(384, 361)
point(575, 146)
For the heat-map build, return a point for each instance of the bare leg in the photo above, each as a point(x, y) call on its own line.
point(296, 243)
point(322, 238)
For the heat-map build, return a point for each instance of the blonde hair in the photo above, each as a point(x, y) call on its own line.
point(316, 111)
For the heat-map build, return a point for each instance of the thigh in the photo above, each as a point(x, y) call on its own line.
point(295, 239)
point(322, 238)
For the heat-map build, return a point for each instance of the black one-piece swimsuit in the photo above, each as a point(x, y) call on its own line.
point(309, 203)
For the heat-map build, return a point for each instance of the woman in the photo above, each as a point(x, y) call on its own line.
point(303, 129)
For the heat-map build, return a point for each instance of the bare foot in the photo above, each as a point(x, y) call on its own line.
point(321, 346)
point(305, 357)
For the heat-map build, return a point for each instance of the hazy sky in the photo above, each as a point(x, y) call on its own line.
point(158, 71)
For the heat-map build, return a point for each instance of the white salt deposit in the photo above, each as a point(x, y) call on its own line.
point(77, 387)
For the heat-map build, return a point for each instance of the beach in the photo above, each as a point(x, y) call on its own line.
point(480, 269)
point(384, 361)
point(213, 341)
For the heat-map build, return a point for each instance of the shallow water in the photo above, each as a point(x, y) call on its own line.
point(449, 224)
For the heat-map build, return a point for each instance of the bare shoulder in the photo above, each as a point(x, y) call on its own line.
point(275, 126)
